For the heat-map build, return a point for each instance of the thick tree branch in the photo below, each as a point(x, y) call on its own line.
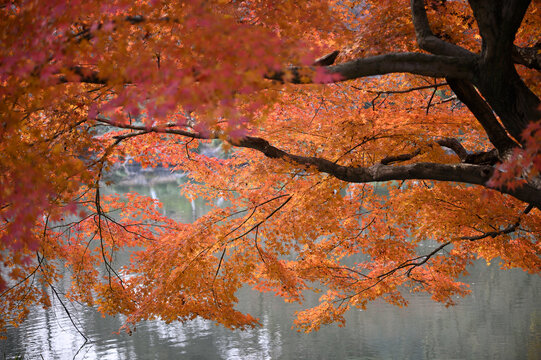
point(464, 173)
point(528, 56)
point(498, 23)
point(413, 63)
point(327, 60)
point(508, 96)
point(513, 12)
point(454, 145)
point(83, 75)
point(497, 79)
point(426, 38)
point(484, 114)
point(483, 157)
point(399, 158)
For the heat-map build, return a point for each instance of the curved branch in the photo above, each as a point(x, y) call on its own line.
point(465, 173)
point(398, 158)
point(413, 63)
point(327, 60)
point(426, 38)
point(454, 145)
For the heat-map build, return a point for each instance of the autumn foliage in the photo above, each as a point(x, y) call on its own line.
point(391, 164)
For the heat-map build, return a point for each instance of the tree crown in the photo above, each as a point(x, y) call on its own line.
point(420, 125)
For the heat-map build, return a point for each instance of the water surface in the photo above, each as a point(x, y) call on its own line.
point(500, 320)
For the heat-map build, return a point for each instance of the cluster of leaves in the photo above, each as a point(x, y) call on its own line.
point(88, 84)
point(523, 164)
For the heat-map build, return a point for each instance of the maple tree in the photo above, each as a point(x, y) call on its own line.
point(421, 126)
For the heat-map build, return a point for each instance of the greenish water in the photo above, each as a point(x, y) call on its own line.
point(500, 320)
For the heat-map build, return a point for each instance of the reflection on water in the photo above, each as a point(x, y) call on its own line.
point(500, 320)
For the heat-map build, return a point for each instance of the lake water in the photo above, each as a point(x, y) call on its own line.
point(500, 320)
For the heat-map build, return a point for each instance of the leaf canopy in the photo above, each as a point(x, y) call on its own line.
point(421, 126)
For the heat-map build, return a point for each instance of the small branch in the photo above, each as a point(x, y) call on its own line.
point(57, 295)
point(188, 150)
point(33, 272)
point(130, 135)
point(373, 102)
point(443, 101)
point(384, 92)
point(414, 263)
point(387, 92)
point(86, 33)
point(430, 100)
point(511, 228)
point(99, 214)
point(410, 264)
point(256, 226)
point(364, 141)
point(153, 129)
point(218, 267)
point(68, 313)
point(257, 246)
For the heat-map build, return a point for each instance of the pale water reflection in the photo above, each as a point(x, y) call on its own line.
point(500, 320)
